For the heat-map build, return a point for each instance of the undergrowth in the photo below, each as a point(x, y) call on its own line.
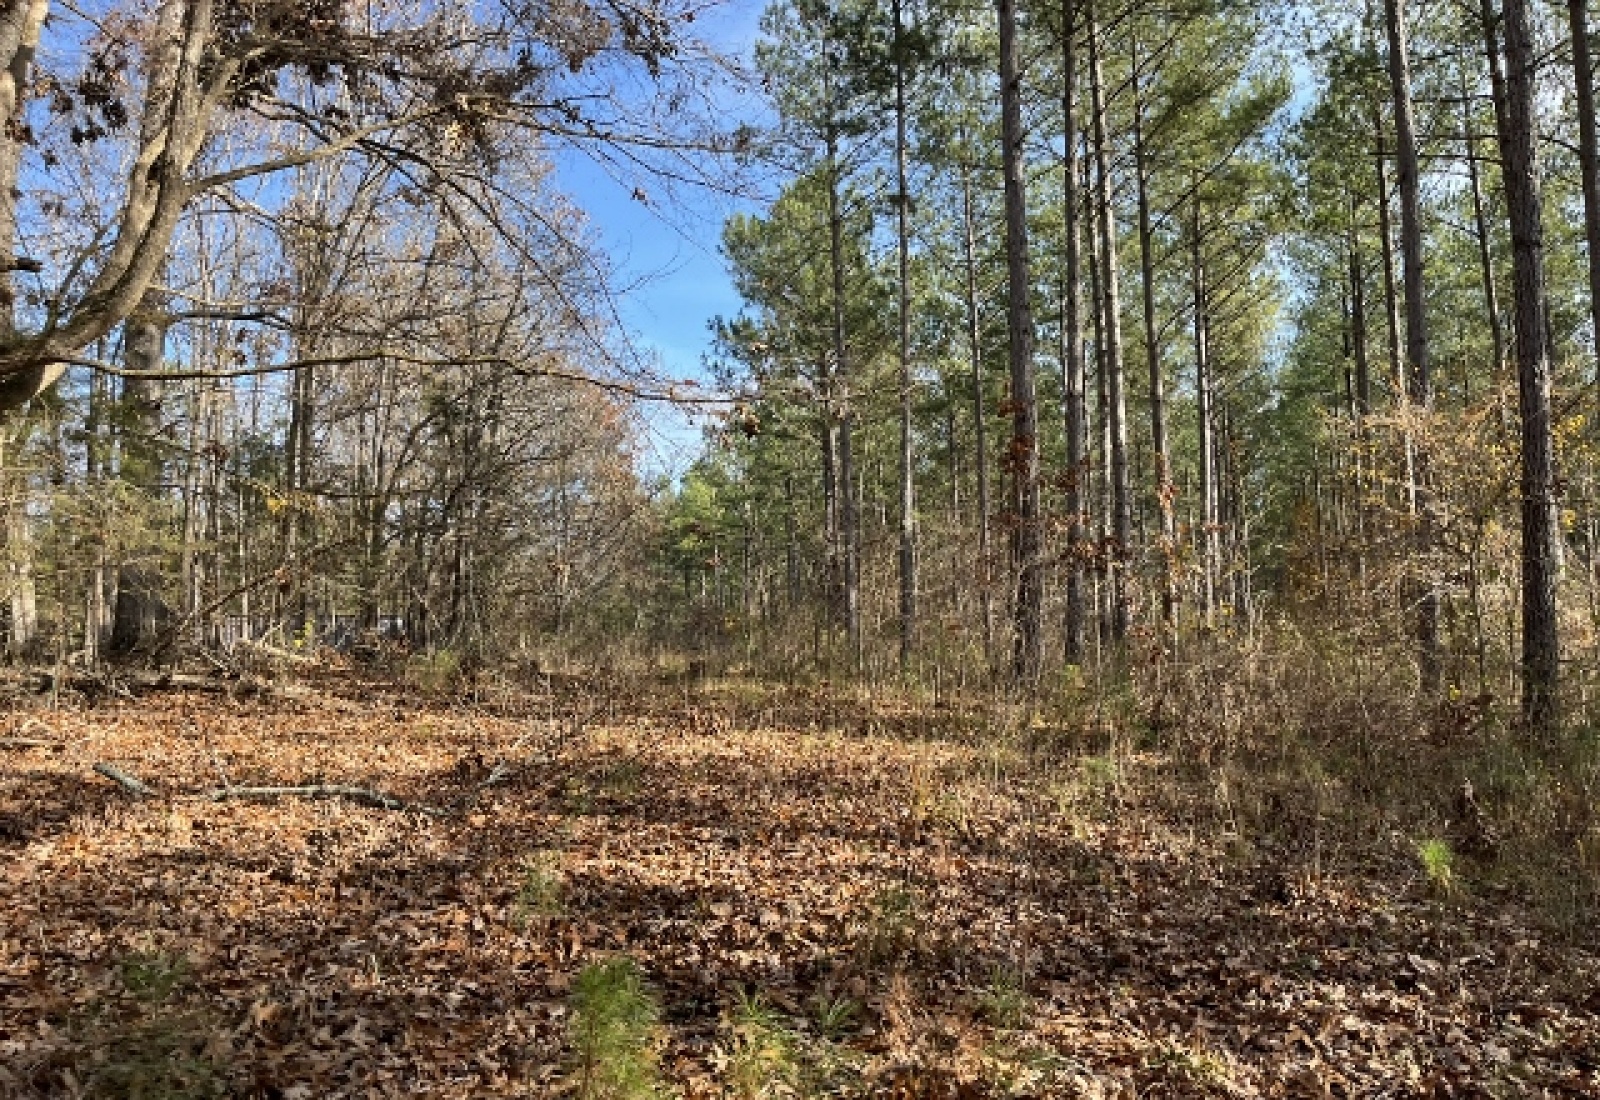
point(613, 1033)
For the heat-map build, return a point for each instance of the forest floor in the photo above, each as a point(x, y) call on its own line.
point(825, 897)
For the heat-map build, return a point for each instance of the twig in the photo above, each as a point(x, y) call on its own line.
point(29, 743)
point(122, 779)
point(363, 795)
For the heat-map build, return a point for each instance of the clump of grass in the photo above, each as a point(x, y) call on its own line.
point(1438, 865)
point(612, 1032)
point(836, 1015)
point(154, 1051)
point(539, 895)
point(1005, 1002)
point(437, 672)
point(761, 1063)
point(890, 929)
point(164, 1058)
point(152, 976)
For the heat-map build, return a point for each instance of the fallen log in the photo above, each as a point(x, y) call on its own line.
point(122, 779)
point(364, 795)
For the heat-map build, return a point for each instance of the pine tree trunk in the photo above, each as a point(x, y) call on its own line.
point(1541, 652)
point(1161, 452)
point(1072, 364)
point(979, 415)
point(1023, 459)
point(1117, 403)
point(843, 418)
point(908, 516)
point(1480, 230)
point(1408, 184)
point(1207, 425)
point(1588, 154)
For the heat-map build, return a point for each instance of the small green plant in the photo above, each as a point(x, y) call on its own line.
point(150, 1050)
point(539, 893)
point(761, 1063)
point(1005, 1002)
point(152, 976)
point(622, 780)
point(1181, 1064)
point(836, 1015)
point(1100, 774)
point(891, 926)
point(165, 1058)
point(1438, 864)
point(612, 1032)
point(436, 672)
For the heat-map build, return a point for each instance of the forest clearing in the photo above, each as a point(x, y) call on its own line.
point(819, 895)
point(922, 549)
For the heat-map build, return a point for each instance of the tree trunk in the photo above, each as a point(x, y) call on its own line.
point(1072, 360)
point(1209, 554)
point(1588, 155)
point(1023, 459)
point(1480, 230)
point(979, 415)
point(1117, 410)
point(1421, 385)
point(908, 517)
point(141, 610)
point(1541, 652)
point(1158, 392)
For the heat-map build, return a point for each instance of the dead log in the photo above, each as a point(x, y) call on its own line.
point(122, 779)
point(364, 795)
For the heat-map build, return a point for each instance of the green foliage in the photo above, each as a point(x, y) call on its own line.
point(437, 672)
point(539, 895)
point(1438, 864)
point(1004, 1002)
point(157, 1051)
point(890, 929)
point(836, 1015)
point(761, 1062)
point(612, 1033)
point(165, 1058)
point(152, 976)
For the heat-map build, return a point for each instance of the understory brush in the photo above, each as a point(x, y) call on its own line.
point(1320, 747)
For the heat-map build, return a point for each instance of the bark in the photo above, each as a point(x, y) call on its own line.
point(979, 414)
point(1072, 359)
point(1391, 299)
point(1541, 652)
point(186, 85)
point(1209, 553)
point(1102, 473)
point(1117, 404)
point(20, 24)
point(1024, 457)
point(1480, 229)
point(1588, 155)
point(842, 416)
point(1408, 183)
point(1160, 450)
point(908, 516)
point(141, 612)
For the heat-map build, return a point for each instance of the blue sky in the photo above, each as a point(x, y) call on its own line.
point(666, 254)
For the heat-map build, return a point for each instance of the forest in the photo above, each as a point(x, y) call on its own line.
point(1127, 623)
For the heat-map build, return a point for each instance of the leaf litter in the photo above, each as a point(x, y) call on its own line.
point(820, 908)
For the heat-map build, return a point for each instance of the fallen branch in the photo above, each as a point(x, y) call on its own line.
point(122, 779)
point(29, 743)
point(364, 795)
